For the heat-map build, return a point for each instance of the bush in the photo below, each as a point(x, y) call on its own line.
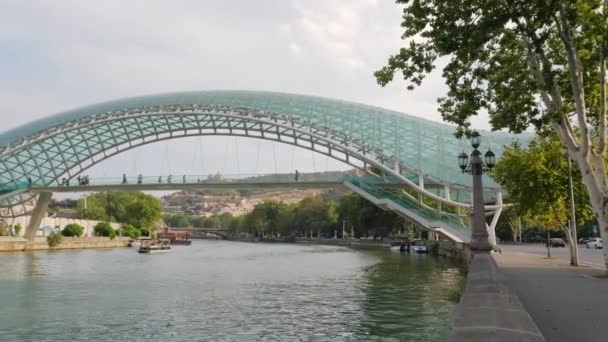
point(54, 239)
point(105, 229)
point(130, 231)
point(17, 229)
point(72, 229)
point(4, 229)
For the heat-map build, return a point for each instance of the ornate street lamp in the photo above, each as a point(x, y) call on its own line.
point(477, 165)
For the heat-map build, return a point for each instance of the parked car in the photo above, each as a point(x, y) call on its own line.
point(558, 242)
point(596, 243)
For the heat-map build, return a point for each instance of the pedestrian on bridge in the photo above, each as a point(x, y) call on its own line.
point(160, 179)
point(124, 178)
point(169, 179)
point(29, 181)
point(184, 179)
point(63, 181)
point(297, 176)
point(140, 179)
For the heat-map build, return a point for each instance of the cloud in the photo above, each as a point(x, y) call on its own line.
point(332, 30)
point(58, 55)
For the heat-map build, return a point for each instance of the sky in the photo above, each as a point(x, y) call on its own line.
point(60, 54)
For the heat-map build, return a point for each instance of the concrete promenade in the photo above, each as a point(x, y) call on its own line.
point(566, 303)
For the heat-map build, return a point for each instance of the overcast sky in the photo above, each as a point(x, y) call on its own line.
point(59, 54)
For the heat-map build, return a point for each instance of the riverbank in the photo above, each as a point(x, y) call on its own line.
point(14, 244)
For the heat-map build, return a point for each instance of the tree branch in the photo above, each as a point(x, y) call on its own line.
point(553, 101)
point(576, 78)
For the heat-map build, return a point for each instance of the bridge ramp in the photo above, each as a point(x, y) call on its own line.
point(447, 224)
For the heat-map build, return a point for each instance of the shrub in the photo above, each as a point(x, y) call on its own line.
point(17, 229)
point(105, 229)
point(54, 239)
point(4, 229)
point(130, 231)
point(72, 229)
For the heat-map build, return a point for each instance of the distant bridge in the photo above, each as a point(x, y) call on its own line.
point(199, 232)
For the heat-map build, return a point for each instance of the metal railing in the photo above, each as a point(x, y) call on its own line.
point(281, 178)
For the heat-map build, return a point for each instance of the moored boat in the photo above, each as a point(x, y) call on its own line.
point(135, 243)
point(155, 246)
point(176, 238)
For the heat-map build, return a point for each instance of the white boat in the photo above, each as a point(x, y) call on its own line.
point(135, 243)
point(402, 247)
point(155, 246)
point(419, 249)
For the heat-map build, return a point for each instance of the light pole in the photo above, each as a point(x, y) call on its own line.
point(477, 166)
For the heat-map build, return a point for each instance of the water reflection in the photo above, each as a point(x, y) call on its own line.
point(407, 297)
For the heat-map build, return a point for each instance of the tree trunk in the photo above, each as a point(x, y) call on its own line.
point(548, 244)
point(571, 246)
point(595, 182)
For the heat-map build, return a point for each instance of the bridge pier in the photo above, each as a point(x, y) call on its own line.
point(42, 204)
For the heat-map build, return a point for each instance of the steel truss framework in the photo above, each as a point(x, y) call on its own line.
point(421, 153)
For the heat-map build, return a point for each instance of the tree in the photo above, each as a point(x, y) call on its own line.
point(72, 229)
point(312, 214)
point(527, 63)
point(180, 221)
point(536, 179)
point(130, 231)
point(105, 229)
point(135, 208)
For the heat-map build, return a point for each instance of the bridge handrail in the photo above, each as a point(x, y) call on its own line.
point(188, 179)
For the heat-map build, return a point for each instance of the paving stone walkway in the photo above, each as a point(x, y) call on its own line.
point(567, 303)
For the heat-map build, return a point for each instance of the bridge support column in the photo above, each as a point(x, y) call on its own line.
point(421, 185)
point(42, 204)
point(492, 226)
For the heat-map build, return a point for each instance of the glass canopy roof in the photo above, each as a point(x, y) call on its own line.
point(423, 145)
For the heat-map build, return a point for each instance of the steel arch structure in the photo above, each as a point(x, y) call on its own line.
point(419, 152)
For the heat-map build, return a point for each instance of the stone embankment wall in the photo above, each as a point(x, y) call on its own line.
point(8, 244)
point(60, 223)
point(489, 310)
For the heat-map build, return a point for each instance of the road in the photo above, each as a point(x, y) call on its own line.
point(589, 257)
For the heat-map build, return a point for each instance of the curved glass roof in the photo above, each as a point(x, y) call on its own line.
point(424, 145)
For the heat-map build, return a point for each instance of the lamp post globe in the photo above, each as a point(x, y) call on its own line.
point(463, 161)
point(490, 159)
point(475, 139)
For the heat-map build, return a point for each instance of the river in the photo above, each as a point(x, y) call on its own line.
point(226, 291)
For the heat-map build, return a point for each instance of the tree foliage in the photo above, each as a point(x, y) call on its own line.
point(503, 57)
point(134, 208)
point(72, 229)
point(130, 231)
point(537, 180)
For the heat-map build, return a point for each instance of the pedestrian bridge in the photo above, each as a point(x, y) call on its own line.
point(419, 154)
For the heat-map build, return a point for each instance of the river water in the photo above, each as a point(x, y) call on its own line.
point(226, 291)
